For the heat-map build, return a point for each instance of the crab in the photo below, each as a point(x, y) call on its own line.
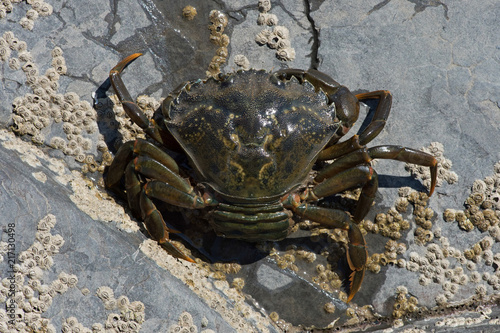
point(263, 147)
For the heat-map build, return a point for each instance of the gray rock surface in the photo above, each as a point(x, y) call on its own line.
point(439, 60)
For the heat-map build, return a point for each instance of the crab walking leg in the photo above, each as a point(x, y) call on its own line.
point(356, 176)
point(132, 110)
point(407, 155)
point(369, 133)
point(365, 155)
point(340, 149)
point(153, 169)
point(380, 116)
point(357, 254)
point(357, 157)
point(359, 176)
point(133, 189)
point(117, 169)
point(157, 227)
point(169, 194)
point(126, 153)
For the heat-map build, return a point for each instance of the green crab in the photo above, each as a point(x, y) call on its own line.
point(254, 140)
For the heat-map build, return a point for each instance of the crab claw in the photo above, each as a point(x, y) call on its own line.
point(357, 257)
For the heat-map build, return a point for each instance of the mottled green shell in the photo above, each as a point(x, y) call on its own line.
point(251, 136)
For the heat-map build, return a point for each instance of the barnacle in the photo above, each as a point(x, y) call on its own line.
point(241, 61)
point(238, 283)
point(285, 54)
point(264, 6)
point(189, 12)
point(105, 293)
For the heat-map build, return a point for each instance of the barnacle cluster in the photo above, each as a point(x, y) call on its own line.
point(360, 314)
point(436, 149)
point(460, 321)
point(278, 38)
point(326, 278)
point(482, 206)
point(32, 295)
point(266, 18)
point(218, 22)
point(220, 270)
point(391, 223)
point(45, 113)
point(423, 216)
point(129, 319)
point(404, 303)
point(388, 224)
point(286, 260)
point(38, 8)
point(184, 324)
point(218, 294)
point(389, 256)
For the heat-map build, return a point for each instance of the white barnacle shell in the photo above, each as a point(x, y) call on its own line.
point(286, 54)
point(28, 292)
point(32, 14)
point(42, 289)
point(105, 293)
point(123, 302)
point(496, 168)
point(110, 304)
point(4, 53)
point(72, 280)
point(263, 37)
point(412, 266)
point(31, 70)
point(34, 273)
point(56, 52)
point(281, 32)
point(479, 186)
point(424, 281)
point(8, 36)
point(262, 18)
point(137, 306)
point(26, 23)
point(271, 19)
point(414, 257)
point(21, 46)
point(63, 277)
point(58, 286)
point(71, 97)
point(264, 5)
point(25, 56)
point(61, 69)
point(47, 261)
point(283, 44)
point(481, 290)
point(45, 9)
point(44, 237)
point(14, 63)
